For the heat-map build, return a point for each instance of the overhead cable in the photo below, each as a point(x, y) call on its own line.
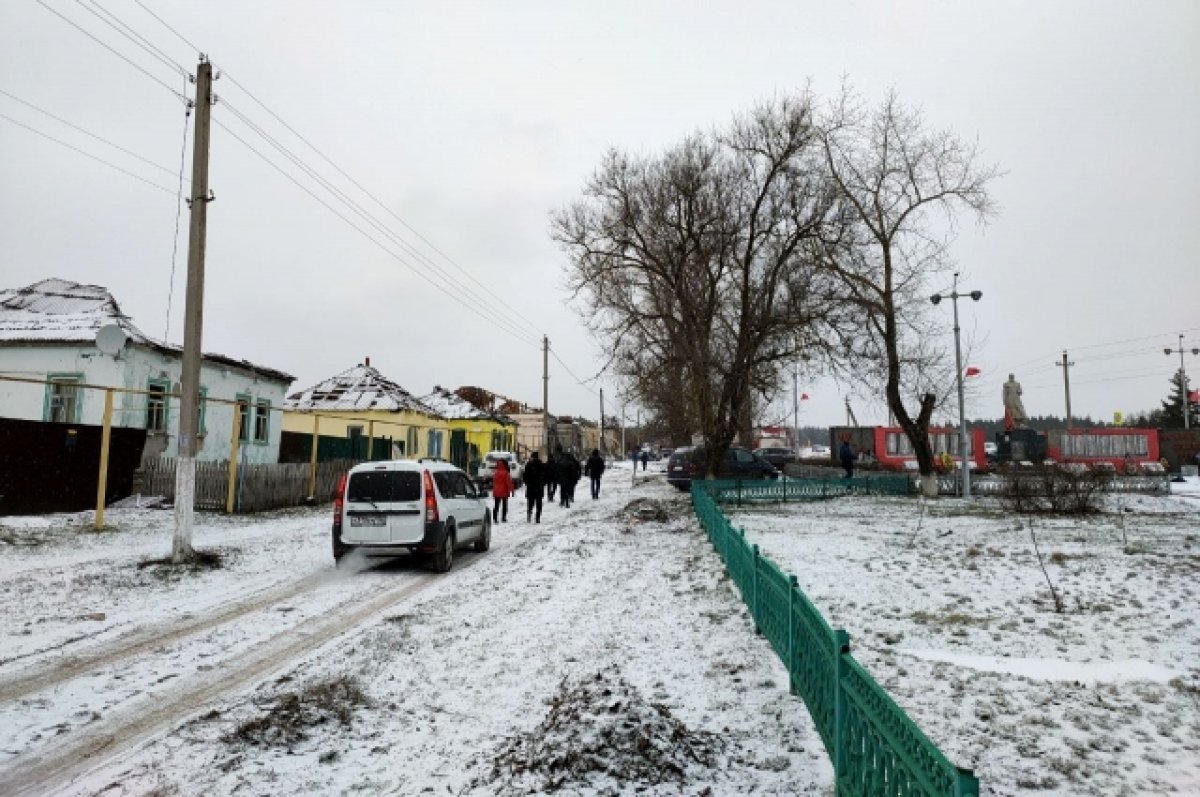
point(129, 33)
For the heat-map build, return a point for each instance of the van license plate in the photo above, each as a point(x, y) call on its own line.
point(368, 520)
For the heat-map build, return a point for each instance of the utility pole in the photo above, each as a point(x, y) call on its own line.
point(795, 410)
point(964, 451)
point(1066, 383)
point(603, 447)
point(1183, 381)
point(193, 324)
point(546, 394)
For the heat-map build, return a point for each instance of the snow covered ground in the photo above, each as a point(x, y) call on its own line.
point(599, 652)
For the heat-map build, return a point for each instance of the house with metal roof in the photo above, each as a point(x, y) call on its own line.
point(64, 344)
point(361, 414)
point(473, 431)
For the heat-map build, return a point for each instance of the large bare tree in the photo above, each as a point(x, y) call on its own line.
point(698, 269)
point(900, 187)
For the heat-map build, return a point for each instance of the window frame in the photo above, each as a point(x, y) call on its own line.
point(202, 428)
point(245, 401)
point(165, 420)
point(262, 406)
point(54, 380)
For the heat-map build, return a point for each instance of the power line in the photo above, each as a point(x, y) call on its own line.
point(101, 139)
point(178, 213)
point(133, 36)
point(168, 27)
point(367, 235)
point(112, 50)
point(377, 201)
point(572, 373)
point(87, 154)
point(364, 214)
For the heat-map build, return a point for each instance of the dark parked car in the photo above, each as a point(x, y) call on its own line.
point(686, 464)
point(777, 456)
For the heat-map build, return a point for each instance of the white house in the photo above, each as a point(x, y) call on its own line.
point(63, 343)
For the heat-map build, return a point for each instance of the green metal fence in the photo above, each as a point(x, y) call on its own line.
point(790, 489)
point(877, 751)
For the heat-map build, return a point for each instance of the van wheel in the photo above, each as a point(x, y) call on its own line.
point(485, 537)
point(443, 559)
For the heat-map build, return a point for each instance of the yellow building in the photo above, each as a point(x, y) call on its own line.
point(361, 414)
point(473, 431)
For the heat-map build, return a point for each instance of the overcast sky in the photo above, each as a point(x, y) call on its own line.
point(472, 121)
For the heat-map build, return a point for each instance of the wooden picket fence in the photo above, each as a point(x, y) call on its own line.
point(258, 487)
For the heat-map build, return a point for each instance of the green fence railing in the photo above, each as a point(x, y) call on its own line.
point(792, 489)
point(875, 748)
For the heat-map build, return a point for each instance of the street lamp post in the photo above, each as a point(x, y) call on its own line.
point(1183, 380)
point(962, 415)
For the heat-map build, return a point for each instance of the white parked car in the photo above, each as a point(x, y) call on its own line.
point(487, 468)
point(405, 506)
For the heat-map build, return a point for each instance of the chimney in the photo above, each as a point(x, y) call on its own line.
point(367, 361)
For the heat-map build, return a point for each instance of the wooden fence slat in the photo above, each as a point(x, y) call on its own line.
point(258, 487)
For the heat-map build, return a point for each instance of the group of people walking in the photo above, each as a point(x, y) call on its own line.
point(557, 475)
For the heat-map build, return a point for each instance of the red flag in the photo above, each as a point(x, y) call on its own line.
point(804, 397)
point(973, 371)
point(1194, 397)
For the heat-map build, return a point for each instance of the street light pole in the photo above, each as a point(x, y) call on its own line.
point(962, 415)
point(1183, 380)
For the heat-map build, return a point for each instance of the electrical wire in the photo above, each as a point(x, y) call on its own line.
point(112, 50)
point(162, 22)
point(367, 235)
point(178, 213)
point(101, 139)
point(87, 154)
point(567, 368)
point(133, 36)
point(364, 214)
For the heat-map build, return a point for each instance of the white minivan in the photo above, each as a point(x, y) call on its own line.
point(409, 506)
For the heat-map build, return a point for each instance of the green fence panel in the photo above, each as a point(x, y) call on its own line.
point(877, 751)
point(884, 752)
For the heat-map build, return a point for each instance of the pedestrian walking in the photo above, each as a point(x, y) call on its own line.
point(535, 484)
point(551, 466)
point(645, 458)
point(568, 476)
point(594, 469)
point(502, 490)
point(846, 455)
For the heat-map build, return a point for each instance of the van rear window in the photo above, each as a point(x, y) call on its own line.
point(384, 485)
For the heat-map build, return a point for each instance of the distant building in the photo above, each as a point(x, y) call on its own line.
point(473, 431)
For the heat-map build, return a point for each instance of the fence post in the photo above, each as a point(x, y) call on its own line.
point(754, 585)
point(739, 492)
point(102, 477)
point(312, 461)
point(793, 588)
point(841, 754)
point(234, 444)
point(966, 784)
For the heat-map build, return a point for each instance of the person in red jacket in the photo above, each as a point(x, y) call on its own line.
point(502, 490)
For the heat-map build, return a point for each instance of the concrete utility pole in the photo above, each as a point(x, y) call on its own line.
point(603, 447)
point(795, 410)
point(1066, 383)
point(1183, 380)
point(546, 394)
point(189, 398)
point(963, 433)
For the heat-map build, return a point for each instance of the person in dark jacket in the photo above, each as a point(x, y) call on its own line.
point(502, 489)
point(594, 469)
point(645, 457)
point(568, 476)
point(846, 455)
point(535, 484)
point(552, 474)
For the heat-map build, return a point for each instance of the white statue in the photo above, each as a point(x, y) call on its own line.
point(1012, 401)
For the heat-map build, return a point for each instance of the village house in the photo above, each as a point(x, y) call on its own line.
point(361, 414)
point(473, 431)
point(63, 346)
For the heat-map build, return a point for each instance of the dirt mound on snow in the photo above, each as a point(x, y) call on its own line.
point(601, 733)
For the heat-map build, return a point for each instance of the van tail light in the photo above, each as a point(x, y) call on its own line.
point(339, 500)
point(431, 509)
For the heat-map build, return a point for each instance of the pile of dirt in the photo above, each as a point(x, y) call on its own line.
point(646, 510)
point(602, 734)
point(293, 713)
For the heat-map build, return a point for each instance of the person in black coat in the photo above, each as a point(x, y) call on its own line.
point(846, 455)
point(535, 483)
point(568, 476)
point(552, 474)
point(594, 469)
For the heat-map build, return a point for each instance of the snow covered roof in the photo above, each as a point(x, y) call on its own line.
point(61, 311)
point(359, 388)
point(451, 405)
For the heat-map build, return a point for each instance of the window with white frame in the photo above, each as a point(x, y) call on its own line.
point(243, 405)
point(262, 421)
point(63, 396)
point(157, 405)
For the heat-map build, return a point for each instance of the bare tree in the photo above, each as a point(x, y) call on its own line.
point(900, 186)
point(699, 269)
